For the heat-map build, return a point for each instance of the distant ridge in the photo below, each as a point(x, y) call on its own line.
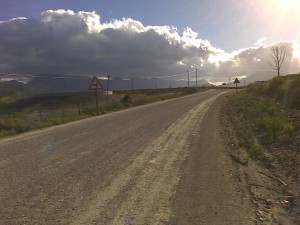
point(253, 77)
point(59, 83)
point(13, 86)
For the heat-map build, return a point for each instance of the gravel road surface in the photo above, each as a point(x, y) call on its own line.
point(162, 163)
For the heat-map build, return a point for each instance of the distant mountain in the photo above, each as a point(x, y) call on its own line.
point(254, 77)
point(58, 83)
point(259, 76)
point(13, 86)
point(145, 83)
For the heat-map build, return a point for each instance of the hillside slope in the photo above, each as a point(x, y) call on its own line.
point(262, 125)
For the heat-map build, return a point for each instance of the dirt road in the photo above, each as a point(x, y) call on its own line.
point(162, 163)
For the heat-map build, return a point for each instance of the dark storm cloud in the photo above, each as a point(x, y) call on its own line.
point(79, 44)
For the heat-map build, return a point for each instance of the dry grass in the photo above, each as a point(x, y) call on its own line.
point(24, 113)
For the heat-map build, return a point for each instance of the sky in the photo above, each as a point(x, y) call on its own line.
point(219, 38)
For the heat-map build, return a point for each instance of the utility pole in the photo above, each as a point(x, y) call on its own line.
point(196, 78)
point(108, 77)
point(188, 73)
point(228, 81)
point(131, 82)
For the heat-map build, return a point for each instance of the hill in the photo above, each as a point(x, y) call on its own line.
point(13, 86)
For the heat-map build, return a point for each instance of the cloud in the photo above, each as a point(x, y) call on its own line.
point(66, 42)
point(260, 41)
point(249, 60)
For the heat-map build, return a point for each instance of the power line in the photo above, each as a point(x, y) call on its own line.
point(196, 78)
point(188, 74)
point(90, 77)
point(44, 76)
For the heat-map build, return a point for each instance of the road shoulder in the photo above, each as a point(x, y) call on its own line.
point(211, 190)
point(262, 187)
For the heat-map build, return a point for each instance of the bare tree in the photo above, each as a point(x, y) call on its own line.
point(278, 54)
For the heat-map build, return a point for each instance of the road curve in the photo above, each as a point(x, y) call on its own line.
point(135, 166)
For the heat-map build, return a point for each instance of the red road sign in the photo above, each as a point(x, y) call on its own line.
point(95, 85)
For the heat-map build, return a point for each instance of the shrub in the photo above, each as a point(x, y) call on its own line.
point(190, 90)
point(292, 97)
point(256, 151)
point(261, 89)
point(126, 100)
point(14, 125)
point(275, 128)
point(276, 88)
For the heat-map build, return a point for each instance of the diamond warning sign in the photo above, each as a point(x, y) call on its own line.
point(95, 85)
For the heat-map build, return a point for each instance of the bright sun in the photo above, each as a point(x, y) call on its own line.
point(277, 7)
point(296, 52)
point(290, 4)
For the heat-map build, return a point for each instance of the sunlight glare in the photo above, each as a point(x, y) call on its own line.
point(291, 2)
point(296, 52)
point(288, 4)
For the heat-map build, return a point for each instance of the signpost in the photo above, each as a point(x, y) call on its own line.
point(236, 82)
point(95, 86)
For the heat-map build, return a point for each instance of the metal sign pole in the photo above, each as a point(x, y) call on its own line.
point(95, 85)
point(236, 81)
point(97, 105)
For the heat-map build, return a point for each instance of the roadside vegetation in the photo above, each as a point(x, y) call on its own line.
point(265, 122)
point(20, 112)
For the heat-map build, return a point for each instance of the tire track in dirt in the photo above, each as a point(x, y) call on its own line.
point(142, 192)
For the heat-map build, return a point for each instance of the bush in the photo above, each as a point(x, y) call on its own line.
point(256, 151)
point(292, 97)
point(276, 88)
point(275, 128)
point(13, 125)
point(126, 100)
point(261, 89)
point(190, 90)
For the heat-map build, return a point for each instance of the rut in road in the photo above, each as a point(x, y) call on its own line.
point(142, 192)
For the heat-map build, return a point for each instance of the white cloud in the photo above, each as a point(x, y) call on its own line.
point(66, 42)
point(260, 41)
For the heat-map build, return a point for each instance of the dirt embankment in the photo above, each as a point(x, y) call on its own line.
point(275, 196)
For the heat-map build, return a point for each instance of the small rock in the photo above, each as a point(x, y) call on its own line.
point(269, 202)
point(287, 203)
point(268, 207)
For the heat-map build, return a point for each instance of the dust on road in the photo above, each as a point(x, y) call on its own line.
point(142, 193)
